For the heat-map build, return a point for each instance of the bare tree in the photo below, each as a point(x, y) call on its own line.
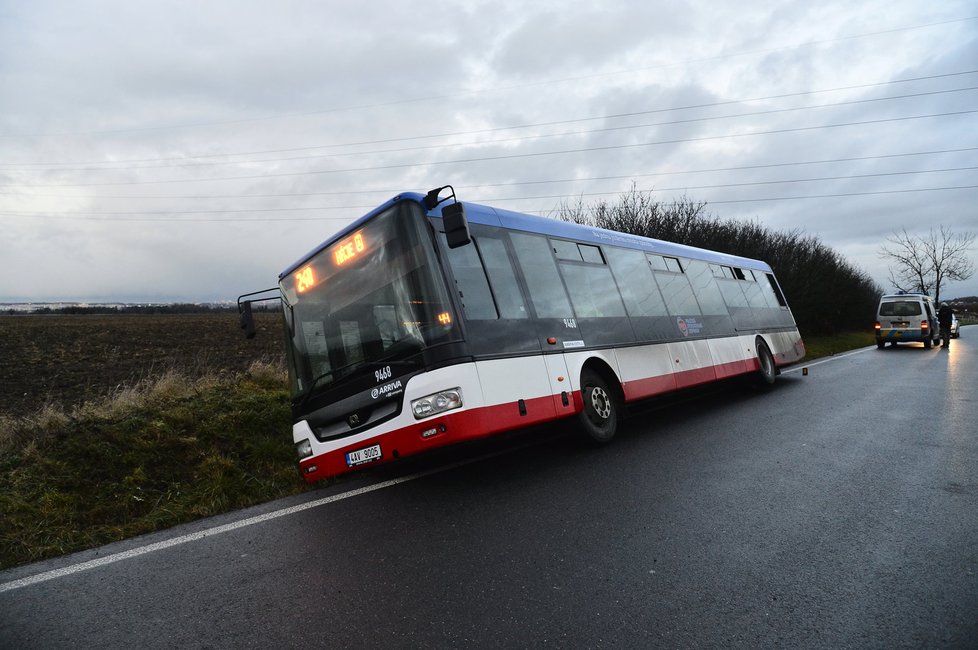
point(926, 263)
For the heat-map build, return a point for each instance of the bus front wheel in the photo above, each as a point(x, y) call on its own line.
point(601, 409)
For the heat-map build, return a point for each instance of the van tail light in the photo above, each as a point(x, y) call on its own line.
point(924, 324)
point(877, 327)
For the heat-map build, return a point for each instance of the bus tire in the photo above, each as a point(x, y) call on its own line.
point(768, 372)
point(601, 412)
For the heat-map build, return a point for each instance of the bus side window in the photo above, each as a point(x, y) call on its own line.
point(673, 265)
point(777, 291)
point(472, 283)
point(676, 290)
point(566, 250)
point(638, 288)
point(754, 291)
point(536, 260)
point(733, 295)
point(591, 254)
point(592, 289)
point(507, 292)
point(703, 279)
point(768, 291)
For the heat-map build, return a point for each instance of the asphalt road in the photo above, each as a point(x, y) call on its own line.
point(839, 509)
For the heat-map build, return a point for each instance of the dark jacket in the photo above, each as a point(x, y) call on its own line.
point(944, 316)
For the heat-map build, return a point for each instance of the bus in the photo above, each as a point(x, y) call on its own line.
point(428, 322)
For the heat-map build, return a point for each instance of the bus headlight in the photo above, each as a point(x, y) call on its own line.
point(304, 449)
point(430, 405)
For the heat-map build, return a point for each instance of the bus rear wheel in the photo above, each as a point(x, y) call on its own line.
point(768, 372)
point(599, 419)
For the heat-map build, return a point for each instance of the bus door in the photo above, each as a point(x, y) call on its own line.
point(561, 385)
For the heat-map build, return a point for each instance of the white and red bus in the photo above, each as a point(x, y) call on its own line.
point(426, 323)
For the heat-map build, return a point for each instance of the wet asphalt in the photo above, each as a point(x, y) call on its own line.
point(837, 510)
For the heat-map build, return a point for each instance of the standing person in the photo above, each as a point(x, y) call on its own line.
point(944, 320)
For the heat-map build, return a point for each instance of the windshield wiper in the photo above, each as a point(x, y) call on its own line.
point(356, 365)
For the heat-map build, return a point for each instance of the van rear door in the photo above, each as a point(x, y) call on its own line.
point(900, 320)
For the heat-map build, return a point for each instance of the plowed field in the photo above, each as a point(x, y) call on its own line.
point(68, 359)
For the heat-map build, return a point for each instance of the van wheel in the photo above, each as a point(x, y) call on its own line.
point(599, 418)
point(927, 344)
point(768, 372)
point(881, 344)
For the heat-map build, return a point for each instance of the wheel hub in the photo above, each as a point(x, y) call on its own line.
point(600, 402)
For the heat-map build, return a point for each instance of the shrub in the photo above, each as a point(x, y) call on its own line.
point(827, 294)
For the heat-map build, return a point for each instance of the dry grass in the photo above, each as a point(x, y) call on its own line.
point(147, 456)
point(51, 420)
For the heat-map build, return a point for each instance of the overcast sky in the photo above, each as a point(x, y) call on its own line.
point(190, 151)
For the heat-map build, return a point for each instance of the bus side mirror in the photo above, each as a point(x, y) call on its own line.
point(246, 320)
point(456, 225)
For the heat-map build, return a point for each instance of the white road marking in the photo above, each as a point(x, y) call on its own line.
point(210, 532)
point(836, 357)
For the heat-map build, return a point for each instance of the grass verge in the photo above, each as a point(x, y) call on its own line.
point(825, 346)
point(147, 458)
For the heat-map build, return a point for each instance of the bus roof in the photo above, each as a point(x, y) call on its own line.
point(490, 216)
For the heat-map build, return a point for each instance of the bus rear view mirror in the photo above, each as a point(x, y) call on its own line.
point(456, 225)
point(247, 320)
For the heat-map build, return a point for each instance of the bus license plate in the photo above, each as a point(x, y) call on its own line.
point(361, 456)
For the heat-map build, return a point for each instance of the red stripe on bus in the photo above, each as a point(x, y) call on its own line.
point(458, 426)
point(488, 420)
point(650, 386)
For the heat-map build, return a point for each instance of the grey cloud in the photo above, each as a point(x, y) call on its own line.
point(130, 81)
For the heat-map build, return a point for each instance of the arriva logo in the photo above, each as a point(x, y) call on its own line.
point(386, 389)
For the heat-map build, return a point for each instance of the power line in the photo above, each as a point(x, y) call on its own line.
point(510, 156)
point(507, 140)
point(175, 221)
point(806, 197)
point(518, 198)
point(391, 191)
point(496, 89)
point(748, 184)
point(183, 161)
point(131, 215)
point(846, 194)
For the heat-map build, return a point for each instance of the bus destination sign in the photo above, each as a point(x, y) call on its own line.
point(349, 249)
point(305, 279)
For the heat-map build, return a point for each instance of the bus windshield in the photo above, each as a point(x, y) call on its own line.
point(373, 298)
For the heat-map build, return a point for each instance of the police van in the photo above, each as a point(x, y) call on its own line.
point(906, 318)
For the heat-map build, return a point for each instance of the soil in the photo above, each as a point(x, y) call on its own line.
point(67, 359)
